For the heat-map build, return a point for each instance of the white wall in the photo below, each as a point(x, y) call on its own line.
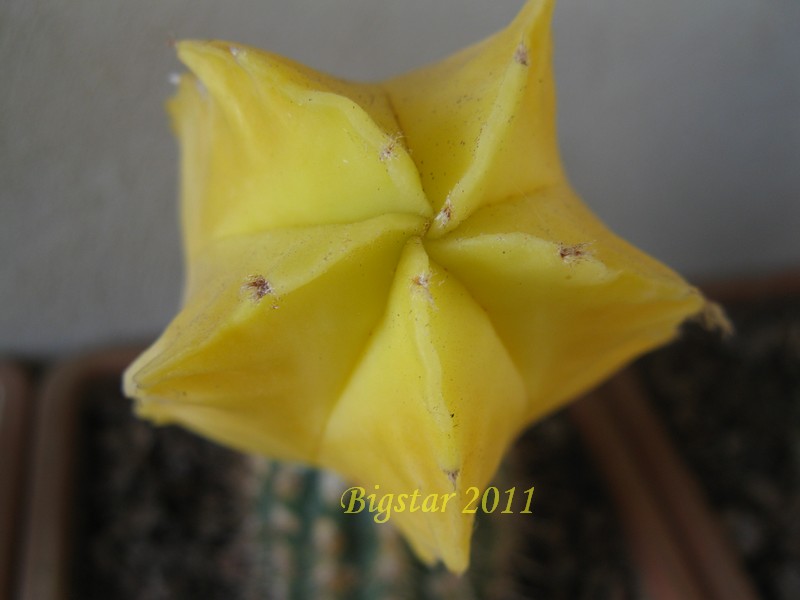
point(680, 125)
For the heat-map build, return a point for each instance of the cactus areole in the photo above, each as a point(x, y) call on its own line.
point(391, 280)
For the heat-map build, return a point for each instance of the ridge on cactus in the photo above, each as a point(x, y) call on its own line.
point(391, 280)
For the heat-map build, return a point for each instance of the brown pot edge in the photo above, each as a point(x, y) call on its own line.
point(44, 569)
point(15, 416)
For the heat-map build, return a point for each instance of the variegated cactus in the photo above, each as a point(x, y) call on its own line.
point(391, 280)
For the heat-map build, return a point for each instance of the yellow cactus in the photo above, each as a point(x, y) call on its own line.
point(391, 280)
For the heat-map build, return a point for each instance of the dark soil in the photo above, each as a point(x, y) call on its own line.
point(160, 513)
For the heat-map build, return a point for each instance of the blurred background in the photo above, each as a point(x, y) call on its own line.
point(679, 123)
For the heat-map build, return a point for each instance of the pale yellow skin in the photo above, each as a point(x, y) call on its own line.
point(391, 280)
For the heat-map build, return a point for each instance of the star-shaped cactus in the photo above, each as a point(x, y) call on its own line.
point(391, 280)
